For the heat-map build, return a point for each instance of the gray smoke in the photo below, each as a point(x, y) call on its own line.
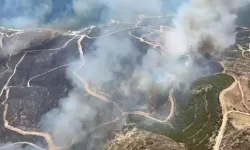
point(127, 10)
point(65, 122)
point(44, 13)
point(100, 66)
point(207, 25)
point(106, 58)
point(104, 10)
point(24, 40)
point(25, 13)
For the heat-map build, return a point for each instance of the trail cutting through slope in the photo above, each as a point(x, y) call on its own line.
point(77, 34)
point(47, 137)
point(225, 112)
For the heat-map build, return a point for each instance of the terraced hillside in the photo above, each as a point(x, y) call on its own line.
point(198, 113)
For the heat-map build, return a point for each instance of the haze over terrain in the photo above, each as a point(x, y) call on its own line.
point(77, 69)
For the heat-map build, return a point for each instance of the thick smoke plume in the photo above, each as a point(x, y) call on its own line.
point(100, 66)
point(65, 122)
point(204, 26)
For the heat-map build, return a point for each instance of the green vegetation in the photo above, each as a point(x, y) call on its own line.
point(198, 114)
point(249, 84)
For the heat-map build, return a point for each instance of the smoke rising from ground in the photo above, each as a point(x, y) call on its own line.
point(104, 61)
point(65, 122)
point(207, 25)
point(108, 57)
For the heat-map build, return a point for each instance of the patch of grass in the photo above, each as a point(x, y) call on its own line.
point(198, 114)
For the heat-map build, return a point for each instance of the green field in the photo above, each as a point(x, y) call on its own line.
point(198, 114)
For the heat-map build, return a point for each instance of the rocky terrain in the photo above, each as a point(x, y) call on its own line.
point(138, 140)
point(237, 140)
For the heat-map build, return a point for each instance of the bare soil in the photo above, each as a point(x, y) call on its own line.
point(233, 100)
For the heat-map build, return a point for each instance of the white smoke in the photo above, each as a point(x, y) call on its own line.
point(65, 122)
point(33, 14)
point(204, 24)
point(127, 10)
point(84, 8)
point(25, 13)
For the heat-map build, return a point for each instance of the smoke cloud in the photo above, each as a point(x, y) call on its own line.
point(26, 13)
point(105, 60)
point(76, 13)
point(127, 10)
point(206, 25)
point(66, 122)
point(100, 66)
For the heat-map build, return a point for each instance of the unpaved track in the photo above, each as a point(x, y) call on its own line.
point(172, 100)
point(243, 96)
point(107, 100)
point(47, 136)
point(225, 114)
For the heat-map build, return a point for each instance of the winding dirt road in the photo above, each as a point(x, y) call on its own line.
point(172, 108)
point(225, 114)
point(74, 34)
point(243, 96)
point(46, 136)
point(123, 113)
